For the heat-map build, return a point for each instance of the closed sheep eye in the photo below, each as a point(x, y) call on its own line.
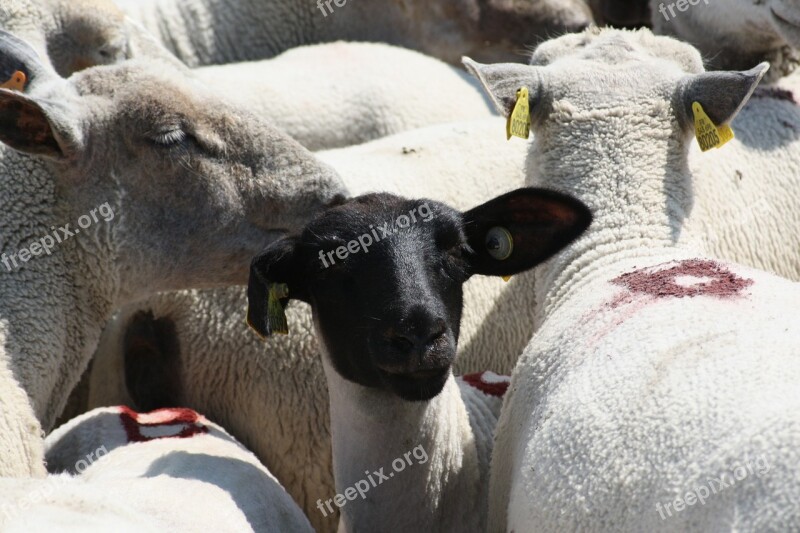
point(169, 137)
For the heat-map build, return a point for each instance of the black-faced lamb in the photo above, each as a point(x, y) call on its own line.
point(387, 306)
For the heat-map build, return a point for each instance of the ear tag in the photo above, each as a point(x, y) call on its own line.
point(506, 278)
point(499, 243)
point(519, 121)
point(16, 82)
point(708, 134)
point(276, 317)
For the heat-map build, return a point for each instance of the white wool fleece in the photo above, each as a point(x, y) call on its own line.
point(340, 94)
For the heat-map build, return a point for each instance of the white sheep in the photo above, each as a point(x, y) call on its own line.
point(169, 470)
point(339, 94)
point(387, 307)
point(220, 31)
point(654, 370)
point(177, 200)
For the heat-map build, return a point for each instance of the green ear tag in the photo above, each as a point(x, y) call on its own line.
point(500, 245)
point(276, 317)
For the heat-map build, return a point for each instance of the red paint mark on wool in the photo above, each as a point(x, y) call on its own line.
point(173, 423)
point(712, 279)
point(488, 383)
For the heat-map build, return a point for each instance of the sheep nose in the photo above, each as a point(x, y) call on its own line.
point(417, 336)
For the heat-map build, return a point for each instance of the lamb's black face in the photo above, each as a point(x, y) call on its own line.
point(388, 304)
point(384, 277)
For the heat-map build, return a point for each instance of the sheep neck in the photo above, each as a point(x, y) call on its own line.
point(53, 306)
point(632, 171)
point(372, 428)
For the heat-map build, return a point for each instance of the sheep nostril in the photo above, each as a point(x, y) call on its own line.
point(401, 343)
point(438, 332)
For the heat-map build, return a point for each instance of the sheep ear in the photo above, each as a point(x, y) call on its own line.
point(37, 127)
point(273, 281)
point(520, 229)
point(501, 81)
point(722, 94)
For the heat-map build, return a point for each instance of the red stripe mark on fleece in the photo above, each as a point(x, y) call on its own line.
point(488, 383)
point(179, 423)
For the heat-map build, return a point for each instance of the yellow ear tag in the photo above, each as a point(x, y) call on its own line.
point(16, 82)
point(708, 134)
point(276, 317)
point(506, 278)
point(519, 121)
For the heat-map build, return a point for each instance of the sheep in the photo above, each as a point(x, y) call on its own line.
point(171, 470)
point(76, 34)
point(735, 34)
point(218, 32)
point(118, 183)
point(386, 307)
point(653, 368)
point(339, 94)
point(177, 349)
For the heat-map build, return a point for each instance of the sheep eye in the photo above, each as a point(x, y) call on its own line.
point(169, 137)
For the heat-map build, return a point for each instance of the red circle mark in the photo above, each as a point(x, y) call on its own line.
point(663, 283)
point(133, 423)
point(496, 387)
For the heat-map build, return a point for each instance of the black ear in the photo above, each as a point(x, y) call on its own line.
point(520, 229)
point(275, 278)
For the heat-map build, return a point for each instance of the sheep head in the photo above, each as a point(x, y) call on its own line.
point(198, 186)
point(384, 277)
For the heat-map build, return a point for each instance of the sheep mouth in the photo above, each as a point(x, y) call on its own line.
point(420, 385)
